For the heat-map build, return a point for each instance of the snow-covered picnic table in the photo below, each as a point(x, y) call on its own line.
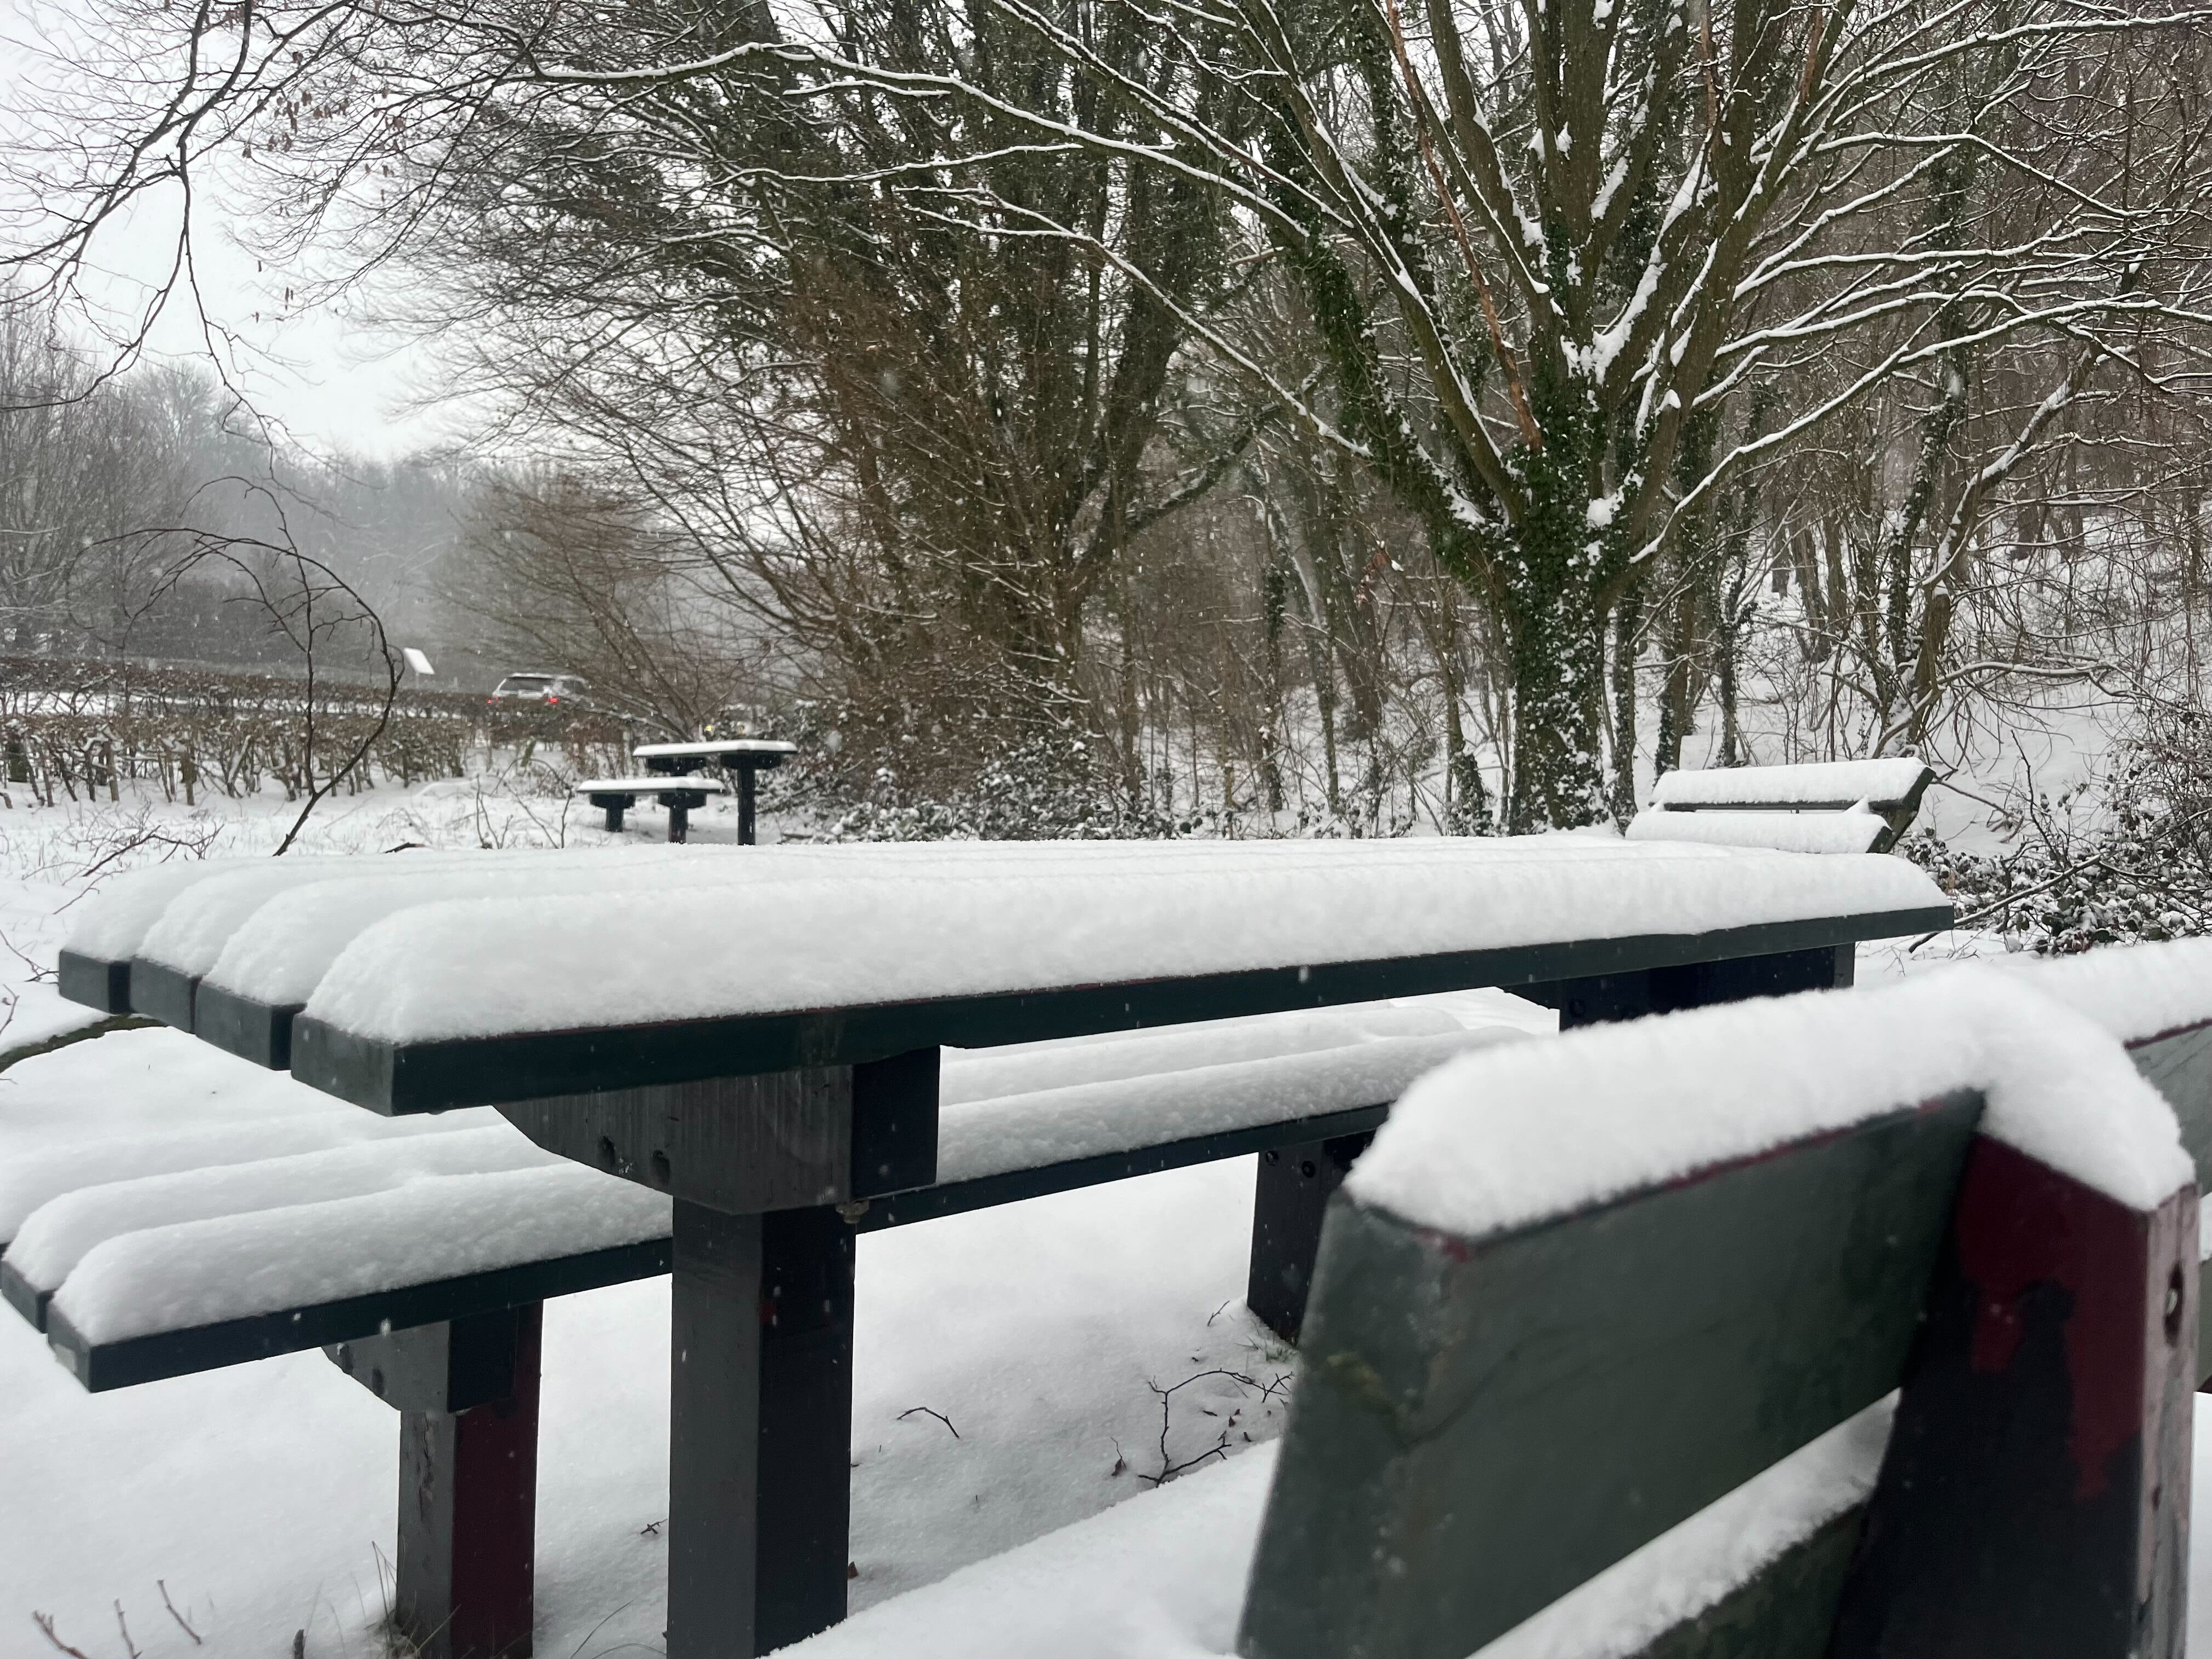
point(757, 1036)
point(746, 758)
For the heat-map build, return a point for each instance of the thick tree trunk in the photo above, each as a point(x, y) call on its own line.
point(1627, 620)
point(1556, 637)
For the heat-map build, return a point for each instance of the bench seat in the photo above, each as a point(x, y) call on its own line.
point(1852, 831)
point(662, 783)
point(164, 1255)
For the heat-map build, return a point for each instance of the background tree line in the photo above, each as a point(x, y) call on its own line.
point(1112, 415)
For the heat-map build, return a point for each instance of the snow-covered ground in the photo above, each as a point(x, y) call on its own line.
point(259, 1502)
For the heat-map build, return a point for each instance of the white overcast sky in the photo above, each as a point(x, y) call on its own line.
point(325, 377)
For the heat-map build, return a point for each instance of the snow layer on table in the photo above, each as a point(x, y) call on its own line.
point(714, 746)
point(277, 954)
point(63, 1232)
point(1331, 1070)
point(852, 932)
point(1853, 831)
point(1873, 780)
point(1163, 1575)
point(111, 924)
point(34, 1176)
point(2135, 991)
point(1521, 1132)
point(191, 930)
point(234, 1267)
point(278, 948)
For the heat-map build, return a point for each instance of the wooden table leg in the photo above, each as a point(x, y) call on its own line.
point(760, 1430)
point(1289, 1200)
point(468, 1491)
point(746, 774)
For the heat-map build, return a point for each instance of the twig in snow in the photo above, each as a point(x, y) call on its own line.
point(1216, 1314)
point(129, 1648)
point(1168, 1468)
point(45, 1621)
point(911, 1410)
point(174, 1614)
point(38, 972)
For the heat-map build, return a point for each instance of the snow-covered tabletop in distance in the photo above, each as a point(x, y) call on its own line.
point(456, 982)
point(731, 752)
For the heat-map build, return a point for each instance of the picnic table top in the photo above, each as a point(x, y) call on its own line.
point(713, 747)
point(640, 972)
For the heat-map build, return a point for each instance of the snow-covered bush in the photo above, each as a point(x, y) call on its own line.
point(2139, 869)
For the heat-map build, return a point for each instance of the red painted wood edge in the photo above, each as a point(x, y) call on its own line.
point(2034, 1500)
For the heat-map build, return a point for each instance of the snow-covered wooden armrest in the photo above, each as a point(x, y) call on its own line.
point(1830, 807)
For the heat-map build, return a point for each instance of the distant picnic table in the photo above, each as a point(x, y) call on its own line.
point(746, 758)
point(673, 779)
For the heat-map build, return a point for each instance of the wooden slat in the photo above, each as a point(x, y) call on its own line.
point(1520, 1412)
point(101, 1366)
point(161, 992)
point(95, 981)
point(418, 1077)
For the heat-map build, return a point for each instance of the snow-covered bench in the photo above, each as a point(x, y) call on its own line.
point(682, 795)
point(420, 1255)
point(1839, 1326)
point(758, 1035)
point(1829, 806)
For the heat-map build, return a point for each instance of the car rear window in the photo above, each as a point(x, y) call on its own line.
point(525, 681)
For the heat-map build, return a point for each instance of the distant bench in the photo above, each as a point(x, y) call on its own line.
point(681, 796)
point(1830, 806)
point(863, 1136)
point(1601, 1336)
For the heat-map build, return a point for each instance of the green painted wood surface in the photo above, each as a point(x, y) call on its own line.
point(1485, 1424)
point(2179, 1065)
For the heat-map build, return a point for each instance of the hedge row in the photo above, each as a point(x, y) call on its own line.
point(72, 737)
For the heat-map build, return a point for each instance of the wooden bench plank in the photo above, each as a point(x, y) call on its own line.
point(179, 1352)
point(101, 1366)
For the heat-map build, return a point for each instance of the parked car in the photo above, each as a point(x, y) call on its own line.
point(551, 689)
